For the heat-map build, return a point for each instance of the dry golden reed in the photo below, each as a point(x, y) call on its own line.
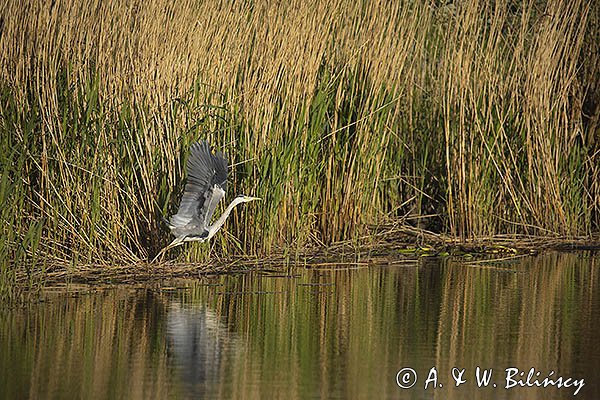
point(474, 118)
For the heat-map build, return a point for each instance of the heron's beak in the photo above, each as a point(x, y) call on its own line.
point(252, 198)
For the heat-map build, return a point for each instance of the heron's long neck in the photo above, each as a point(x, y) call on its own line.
point(214, 228)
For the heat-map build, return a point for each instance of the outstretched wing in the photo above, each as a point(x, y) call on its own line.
point(205, 187)
point(218, 187)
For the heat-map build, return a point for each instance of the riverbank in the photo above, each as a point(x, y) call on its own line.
point(403, 246)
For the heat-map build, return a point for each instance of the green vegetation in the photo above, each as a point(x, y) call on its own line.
point(341, 115)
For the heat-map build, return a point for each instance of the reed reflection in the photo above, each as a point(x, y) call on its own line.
point(336, 333)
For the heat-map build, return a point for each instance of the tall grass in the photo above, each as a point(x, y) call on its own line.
point(339, 114)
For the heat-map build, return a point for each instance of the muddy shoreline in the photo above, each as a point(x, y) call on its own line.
point(406, 247)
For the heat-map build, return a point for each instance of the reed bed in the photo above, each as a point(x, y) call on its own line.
point(471, 118)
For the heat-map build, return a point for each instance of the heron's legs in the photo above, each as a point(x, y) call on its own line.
point(174, 243)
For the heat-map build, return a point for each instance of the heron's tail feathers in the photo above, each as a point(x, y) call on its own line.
point(167, 222)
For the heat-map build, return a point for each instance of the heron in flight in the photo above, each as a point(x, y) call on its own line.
point(205, 187)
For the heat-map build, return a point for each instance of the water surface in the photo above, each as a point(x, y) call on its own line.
point(316, 333)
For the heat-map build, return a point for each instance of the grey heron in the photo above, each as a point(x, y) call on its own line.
point(205, 187)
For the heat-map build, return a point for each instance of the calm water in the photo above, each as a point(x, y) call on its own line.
point(323, 333)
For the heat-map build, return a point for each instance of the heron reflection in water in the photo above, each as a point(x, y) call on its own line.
point(200, 348)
